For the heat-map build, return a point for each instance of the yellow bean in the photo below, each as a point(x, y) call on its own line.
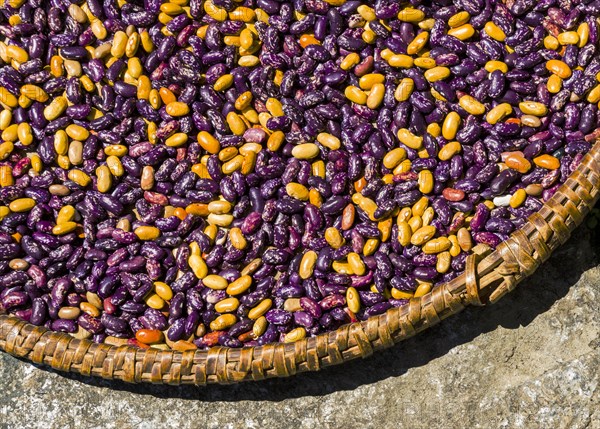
point(492, 66)
point(471, 105)
point(568, 38)
point(77, 132)
point(368, 13)
point(409, 139)
point(66, 214)
point(424, 62)
point(404, 89)
point(498, 113)
point(419, 207)
point(224, 321)
point(223, 220)
point(294, 335)
point(237, 239)
point(333, 237)
point(208, 142)
point(34, 93)
point(274, 107)
point(198, 266)
point(494, 31)
point(64, 228)
point(404, 233)
point(355, 94)
point(297, 191)
point(227, 305)
point(417, 43)
point(533, 108)
point(583, 31)
point(559, 68)
point(376, 95)
point(422, 235)
point(518, 198)
point(240, 285)
point(437, 73)
point(554, 84)
point(5, 119)
point(350, 61)
point(353, 299)
point(400, 294)
point(259, 327)
point(305, 151)
point(367, 81)
point(176, 140)
point(411, 15)
point(450, 125)
point(223, 83)
point(260, 309)
point(119, 44)
point(177, 108)
point(132, 45)
point(115, 166)
point(24, 134)
point(6, 176)
point(443, 262)
point(449, 150)
point(329, 141)
point(342, 268)
point(143, 88)
point(55, 108)
point(550, 42)
point(394, 157)
point(437, 245)
point(425, 181)
point(21, 205)
point(401, 61)
point(236, 124)
point(18, 54)
point(459, 19)
point(463, 32)
point(80, 177)
point(163, 290)
point(147, 232)
point(356, 264)
point(307, 264)
point(422, 289)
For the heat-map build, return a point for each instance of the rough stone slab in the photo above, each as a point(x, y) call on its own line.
point(531, 361)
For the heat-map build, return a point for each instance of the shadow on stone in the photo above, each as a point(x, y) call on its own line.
point(535, 296)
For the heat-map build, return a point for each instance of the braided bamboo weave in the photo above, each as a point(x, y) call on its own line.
point(488, 276)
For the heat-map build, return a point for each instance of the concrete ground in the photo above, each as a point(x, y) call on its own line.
point(530, 361)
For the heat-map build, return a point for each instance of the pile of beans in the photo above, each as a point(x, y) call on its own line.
point(240, 172)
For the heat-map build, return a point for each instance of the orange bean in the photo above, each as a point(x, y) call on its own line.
point(308, 39)
point(149, 336)
point(547, 161)
point(518, 162)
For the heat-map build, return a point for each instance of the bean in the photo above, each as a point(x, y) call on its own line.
point(471, 105)
point(260, 309)
point(149, 336)
point(559, 68)
point(533, 108)
point(545, 161)
point(21, 205)
point(147, 232)
point(305, 151)
point(215, 281)
point(294, 335)
point(227, 305)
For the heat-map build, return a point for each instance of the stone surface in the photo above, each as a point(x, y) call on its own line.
point(530, 361)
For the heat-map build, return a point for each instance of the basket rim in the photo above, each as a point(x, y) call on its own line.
point(487, 277)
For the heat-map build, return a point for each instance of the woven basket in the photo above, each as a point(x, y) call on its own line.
point(488, 276)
